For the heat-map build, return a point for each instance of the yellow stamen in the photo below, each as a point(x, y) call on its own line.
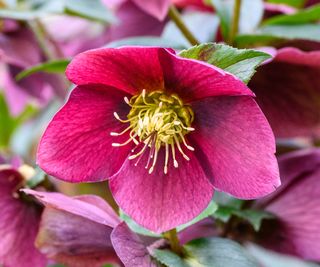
point(157, 120)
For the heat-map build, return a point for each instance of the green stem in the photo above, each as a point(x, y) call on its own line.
point(41, 39)
point(49, 47)
point(176, 18)
point(235, 21)
point(172, 237)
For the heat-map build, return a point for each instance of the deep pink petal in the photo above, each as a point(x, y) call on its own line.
point(235, 140)
point(192, 79)
point(159, 201)
point(134, 22)
point(76, 146)
point(130, 248)
point(74, 240)
point(288, 91)
point(130, 69)
point(19, 222)
point(92, 208)
point(297, 206)
point(156, 8)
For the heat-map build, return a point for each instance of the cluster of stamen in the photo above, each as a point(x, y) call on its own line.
point(157, 120)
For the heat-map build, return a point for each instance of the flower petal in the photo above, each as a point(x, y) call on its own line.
point(134, 22)
point(156, 8)
point(18, 225)
point(299, 213)
point(234, 138)
point(159, 201)
point(92, 208)
point(288, 91)
point(76, 146)
point(130, 248)
point(193, 79)
point(297, 206)
point(74, 240)
point(130, 69)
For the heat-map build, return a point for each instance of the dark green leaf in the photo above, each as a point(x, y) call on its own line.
point(58, 66)
point(223, 199)
point(308, 15)
point(254, 217)
point(240, 62)
point(211, 209)
point(207, 252)
point(294, 3)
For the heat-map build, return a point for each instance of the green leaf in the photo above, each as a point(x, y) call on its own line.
point(240, 62)
point(57, 66)
point(250, 16)
point(254, 217)
point(207, 252)
point(210, 210)
point(147, 41)
point(223, 199)
point(294, 3)
point(89, 9)
point(308, 15)
point(273, 259)
point(19, 14)
point(9, 124)
point(136, 227)
point(276, 33)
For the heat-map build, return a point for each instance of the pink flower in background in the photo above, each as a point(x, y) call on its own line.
point(85, 231)
point(76, 230)
point(19, 222)
point(135, 20)
point(288, 92)
point(166, 130)
point(297, 206)
point(19, 50)
point(78, 34)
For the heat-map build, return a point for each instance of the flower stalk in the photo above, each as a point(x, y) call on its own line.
point(172, 237)
point(176, 18)
point(235, 21)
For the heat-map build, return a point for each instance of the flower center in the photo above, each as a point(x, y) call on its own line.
point(157, 120)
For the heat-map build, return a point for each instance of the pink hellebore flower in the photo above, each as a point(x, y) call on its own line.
point(297, 206)
point(19, 50)
point(138, 18)
point(166, 130)
point(19, 222)
point(288, 92)
point(84, 231)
